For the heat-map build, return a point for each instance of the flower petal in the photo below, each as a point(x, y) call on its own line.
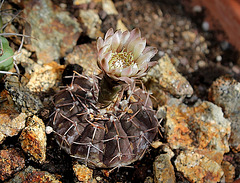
point(135, 69)
point(115, 41)
point(110, 32)
point(134, 34)
point(124, 38)
point(149, 48)
point(138, 49)
point(99, 43)
point(146, 57)
point(127, 71)
point(104, 65)
point(102, 51)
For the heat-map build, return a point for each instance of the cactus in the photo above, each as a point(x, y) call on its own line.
point(108, 121)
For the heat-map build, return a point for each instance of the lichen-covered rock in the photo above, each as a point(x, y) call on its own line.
point(229, 171)
point(11, 122)
point(109, 8)
point(225, 92)
point(110, 137)
point(92, 22)
point(11, 161)
point(45, 78)
point(83, 173)
point(33, 139)
point(163, 77)
point(201, 128)
point(84, 55)
point(31, 174)
point(198, 168)
point(25, 100)
point(55, 31)
point(163, 169)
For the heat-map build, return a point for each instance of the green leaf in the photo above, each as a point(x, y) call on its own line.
point(6, 52)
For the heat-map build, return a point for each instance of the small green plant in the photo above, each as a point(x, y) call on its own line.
point(6, 55)
point(6, 52)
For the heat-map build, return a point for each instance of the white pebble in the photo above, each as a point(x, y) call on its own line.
point(205, 26)
point(197, 9)
point(48, 129)
point(219, 58)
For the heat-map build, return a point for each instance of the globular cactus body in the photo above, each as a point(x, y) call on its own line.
point(112, 137)
point(107, 121)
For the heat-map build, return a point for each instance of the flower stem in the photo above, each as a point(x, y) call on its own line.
point(108, 91)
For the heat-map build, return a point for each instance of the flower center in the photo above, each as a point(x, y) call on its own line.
point(121, 60)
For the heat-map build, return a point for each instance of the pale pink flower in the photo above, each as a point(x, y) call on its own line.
point(124, 55)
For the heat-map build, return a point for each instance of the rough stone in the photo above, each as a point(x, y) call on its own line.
point(163, 78)
point(84, 55)
point(120, 25)
point(148, 180)
point(53, 29)
point(92, 22)
point(229, 171)
point(109, 8)
point(198, 168)
point(80, 2)
point(201, 128)
point(11, 122)
point(11, 161)
point(83, 173)
point(225, 92)
point(31, 174)
point(33, 139)
point(45, 78)
point(163, 169)
point(25, 100)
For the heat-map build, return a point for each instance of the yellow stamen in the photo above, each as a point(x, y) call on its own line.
point(121, 60)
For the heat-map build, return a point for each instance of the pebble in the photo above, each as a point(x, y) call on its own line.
point(219, 58)
point(45, 77)
point(229, 171)
point(80, 2)
point(33, 139)
point(26, 101)
point(197, 9)
point(11, 161)
point(53, 29)
point(11, 121)
point(109, 7)
point(198, 168)
point(83, 173)
point(163, 169)
point(163, 78)
point(30, 174)
point(92, 22)
point(120, 25)
point(201, 128)
point(225, 92)
point(84, 55)
point(205, 26)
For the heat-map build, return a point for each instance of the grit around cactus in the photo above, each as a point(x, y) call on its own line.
point(6, 53)
point(118, 132)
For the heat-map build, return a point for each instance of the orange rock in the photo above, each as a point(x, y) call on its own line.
point(11, 122)
point(11, 161)
point(229, 171)
point(201, 128)
point(198, 168)
point(83, 173)
point(33, 139)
